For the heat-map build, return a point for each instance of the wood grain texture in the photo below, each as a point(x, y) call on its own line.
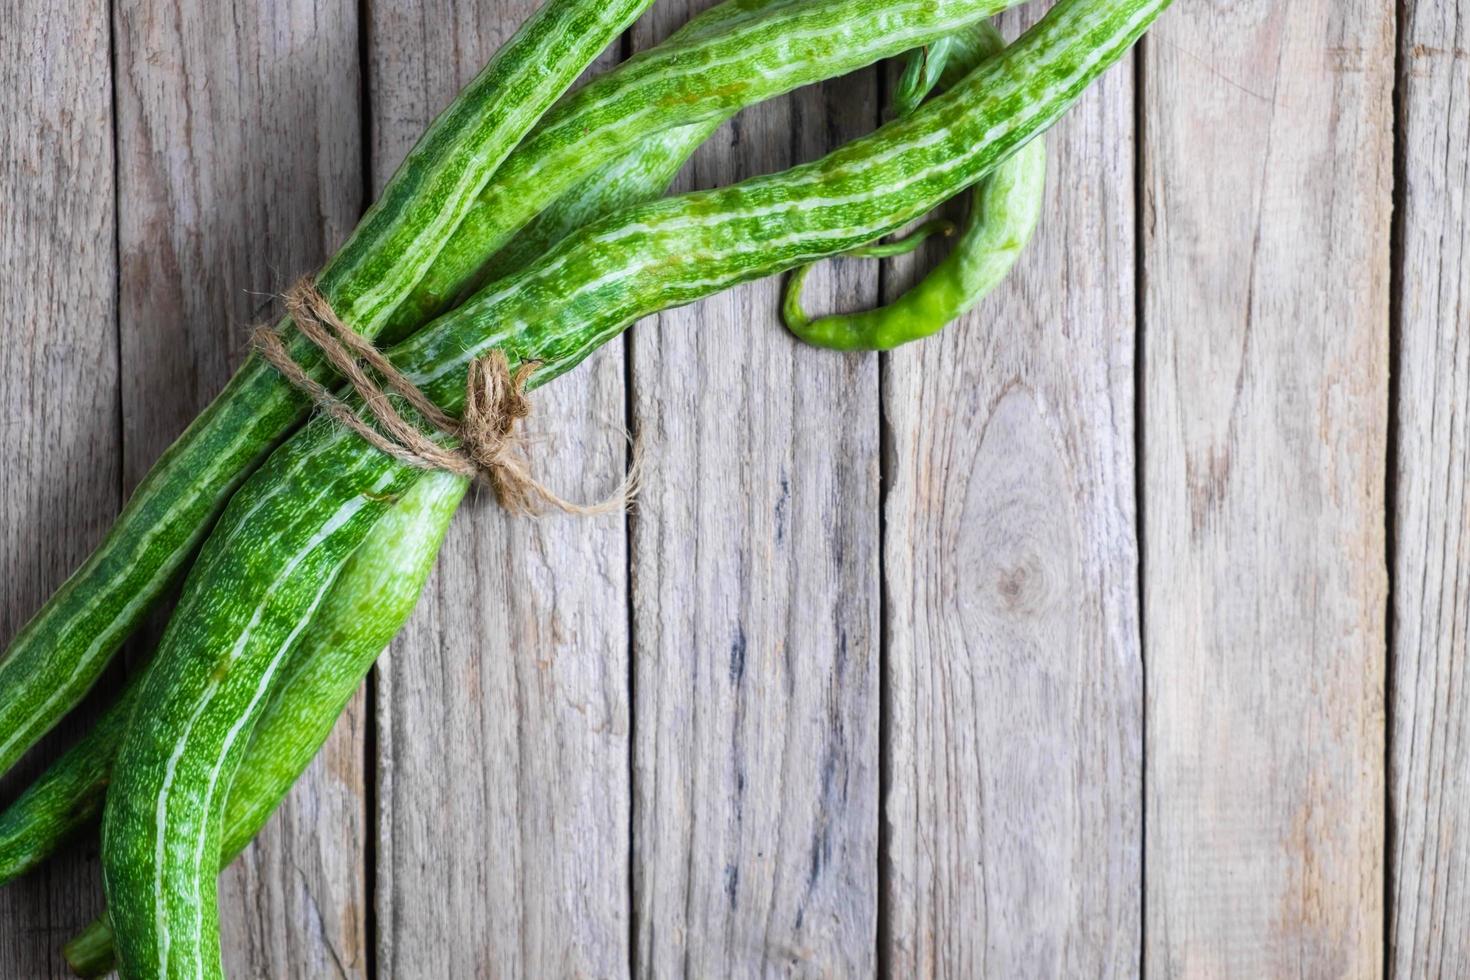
point(1014, 677)
point(756, 605)
point(1267, 194)
point(1429, 763)
point(503, 709)
point(239, 168)
point(552, 805)
point(58, 388)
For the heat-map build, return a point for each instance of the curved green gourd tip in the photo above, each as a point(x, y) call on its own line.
point(1004, 211)
point(795, 315)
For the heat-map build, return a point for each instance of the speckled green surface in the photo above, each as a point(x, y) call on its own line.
point(55, 659)
point(364, 609)
point(266, 568)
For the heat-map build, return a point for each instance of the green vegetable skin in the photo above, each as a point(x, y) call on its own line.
point(1004, 210)
point(66, 796)
point(448, 223)
point(642, 175)
point(70, 792)
point(71, 789)
point(789, 45)
point(57, 656)
point(261, 575)
point(366, 607)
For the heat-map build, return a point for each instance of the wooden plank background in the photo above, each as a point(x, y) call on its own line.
point(1014, 671)
point(59, 384)
point(756, 604)
point(1121, 629)
point(1429, 734)
point(1267, 173)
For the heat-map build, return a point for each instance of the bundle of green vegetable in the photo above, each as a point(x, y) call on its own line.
point(525, 222)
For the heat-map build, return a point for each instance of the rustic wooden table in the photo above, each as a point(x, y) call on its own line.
point(1122, 628)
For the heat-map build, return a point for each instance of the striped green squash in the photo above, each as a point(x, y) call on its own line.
point(702, 76)
point(725, 44)
point(436, 225)
point(57, 656)
point(69, 794)
point(268, 564)
point(366, 607)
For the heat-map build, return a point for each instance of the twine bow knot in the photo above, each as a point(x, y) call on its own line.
point(484, 444)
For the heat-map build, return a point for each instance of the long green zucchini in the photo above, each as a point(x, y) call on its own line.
point(368, 604)
point(57, 656)
point(293, 524)
point(69, 794)
point(727, 59)
point(723, 45)
point(703, 76)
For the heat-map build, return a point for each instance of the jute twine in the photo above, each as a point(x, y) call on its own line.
point(489, 447)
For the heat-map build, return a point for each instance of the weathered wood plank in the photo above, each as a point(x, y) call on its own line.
point(1429, 853)
point(58, 387)
point(1268, 167)
point(756, 606)
point(1014, 678)
point(503, 709)
point(240, 167)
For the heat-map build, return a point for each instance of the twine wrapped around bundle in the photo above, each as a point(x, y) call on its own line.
point(489, 446)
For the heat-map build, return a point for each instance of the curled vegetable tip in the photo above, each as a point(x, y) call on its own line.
point(923, 71)
point(791, 310)
point(1004, 210)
